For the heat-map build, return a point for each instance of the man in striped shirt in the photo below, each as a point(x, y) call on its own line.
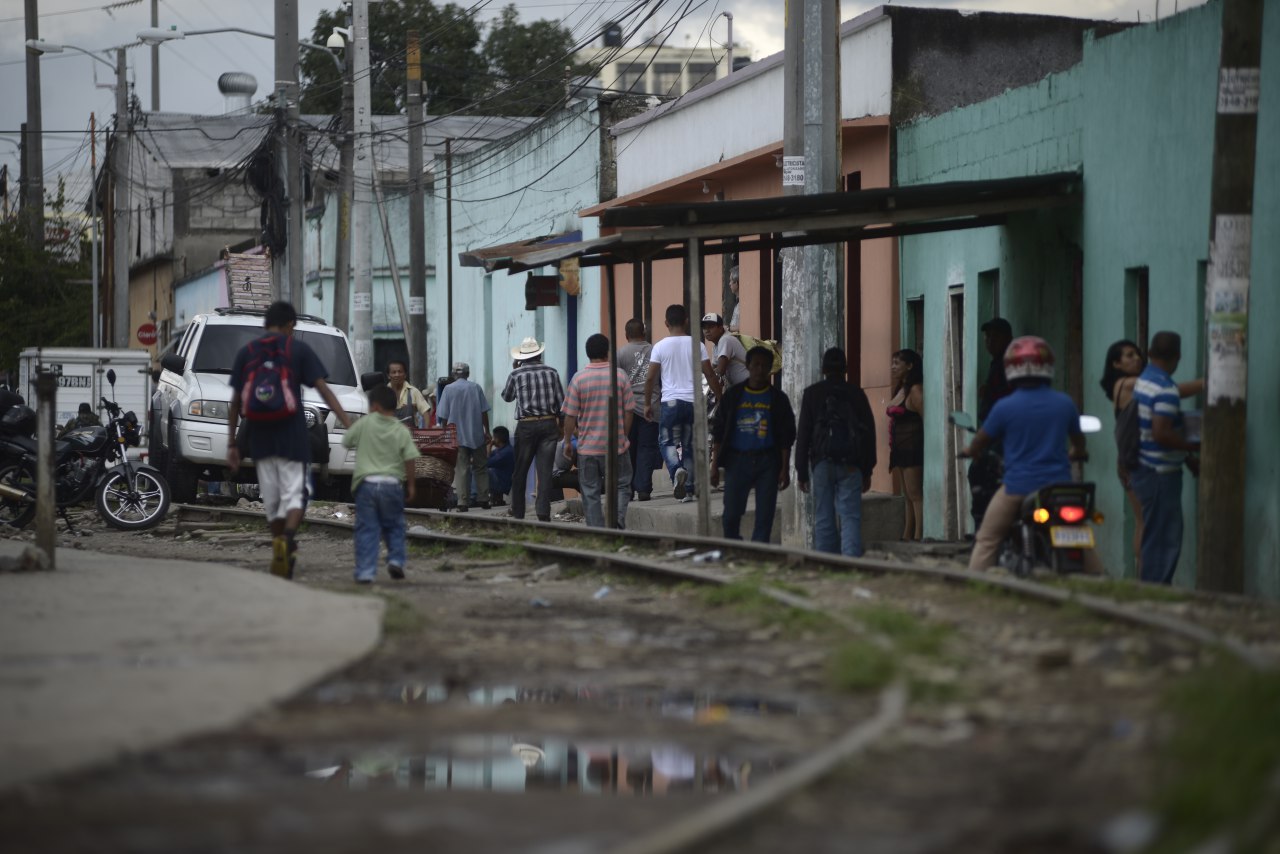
point(586, 413)
point(538, 396)
point(1162, 450)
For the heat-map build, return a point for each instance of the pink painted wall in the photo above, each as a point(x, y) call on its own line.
point(865, 150)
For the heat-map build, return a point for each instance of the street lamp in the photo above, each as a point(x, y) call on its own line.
point(120, 208)
point(159, 35)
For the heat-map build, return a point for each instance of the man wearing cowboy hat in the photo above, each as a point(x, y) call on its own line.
point(536, 390)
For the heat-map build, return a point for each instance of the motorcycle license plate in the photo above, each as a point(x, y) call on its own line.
point(1071, 537)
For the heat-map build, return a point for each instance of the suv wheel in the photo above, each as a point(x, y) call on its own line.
point(182, 477)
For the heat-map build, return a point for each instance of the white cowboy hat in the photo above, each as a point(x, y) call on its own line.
point(528, 348)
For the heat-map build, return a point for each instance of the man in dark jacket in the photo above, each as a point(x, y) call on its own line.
point(836, 442)
point(751, 436)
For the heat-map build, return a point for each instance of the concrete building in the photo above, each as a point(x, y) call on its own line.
point(1136, 116)
point(897, 64)
point(653, 68)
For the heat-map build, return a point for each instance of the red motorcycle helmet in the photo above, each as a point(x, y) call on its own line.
point(1028, 357)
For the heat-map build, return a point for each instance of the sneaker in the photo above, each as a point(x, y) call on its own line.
point(462, 508)
point(293, 557)
point(681, 477)
point(643, 496)
point(280, 557)
point(395, 571)
point(484, 505)
point(686, 499)
point(364, 581)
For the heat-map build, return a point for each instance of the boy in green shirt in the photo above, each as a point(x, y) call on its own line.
point(385, 456)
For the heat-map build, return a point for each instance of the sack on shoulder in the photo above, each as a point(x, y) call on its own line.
point(267, 393)
point(837, 433)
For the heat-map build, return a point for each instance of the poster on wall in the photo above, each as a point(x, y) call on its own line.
point(1227, 307)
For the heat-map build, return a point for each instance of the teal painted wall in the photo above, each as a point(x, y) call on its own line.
point(1262, 491)
point(1138, 112)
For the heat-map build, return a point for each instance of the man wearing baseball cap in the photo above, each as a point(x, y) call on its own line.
point(464, 405)
point(730, 358)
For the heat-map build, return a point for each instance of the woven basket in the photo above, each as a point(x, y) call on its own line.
point(433, 468)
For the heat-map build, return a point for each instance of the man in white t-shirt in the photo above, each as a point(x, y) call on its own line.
point(671, 367)
point(730, 357)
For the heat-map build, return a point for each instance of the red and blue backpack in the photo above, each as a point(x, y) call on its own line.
point(267, 393)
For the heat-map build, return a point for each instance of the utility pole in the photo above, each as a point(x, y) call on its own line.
point(417, 333)
point(155, 59)
point(812, 278)
point(342, 247)
point(287, 269)
point(96, 331)
point(120, 209)
point(448, 244)
point(729, 54)
point(1223, 473)
point(33, 138)
point(362, 250)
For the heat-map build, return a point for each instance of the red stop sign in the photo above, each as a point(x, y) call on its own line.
point(147, 334)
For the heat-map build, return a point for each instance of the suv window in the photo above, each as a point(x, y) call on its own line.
point(219, 345)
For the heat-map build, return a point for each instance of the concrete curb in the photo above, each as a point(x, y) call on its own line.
point(113, 654)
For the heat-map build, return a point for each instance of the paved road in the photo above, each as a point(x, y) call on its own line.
point(112, 654)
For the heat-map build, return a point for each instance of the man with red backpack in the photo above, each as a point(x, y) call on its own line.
point(266, 390)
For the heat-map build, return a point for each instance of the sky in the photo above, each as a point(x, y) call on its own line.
point(189, 69)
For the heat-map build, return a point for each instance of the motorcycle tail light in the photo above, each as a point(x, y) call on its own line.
point(1040, 515)
point(1071, 514)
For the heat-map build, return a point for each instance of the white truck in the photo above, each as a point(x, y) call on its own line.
point(82, 378)
point(188, 412)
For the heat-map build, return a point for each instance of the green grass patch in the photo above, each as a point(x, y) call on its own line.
point(484, 551)
point(859, 665)
point(399, 617)
point(745, 596)
point(428, 551)
point(1217, 766)
point(1121, 590)
point(909, 633)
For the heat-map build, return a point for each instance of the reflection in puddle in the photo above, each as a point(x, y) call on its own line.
point(693, 706)
point(510, 763)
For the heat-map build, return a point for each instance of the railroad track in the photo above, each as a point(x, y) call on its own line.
point(1050, 683)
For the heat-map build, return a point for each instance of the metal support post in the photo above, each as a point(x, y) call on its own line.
point(46, 506)
point(701, 465)
point(611, 448)
point(33, 137)
point(287, 281)
point(155, 58)
point(1223, 472)
point(120, 327)
point(416, 334)
point(448, 243)
point(362, 193)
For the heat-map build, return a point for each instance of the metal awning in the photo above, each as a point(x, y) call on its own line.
point(660, 231)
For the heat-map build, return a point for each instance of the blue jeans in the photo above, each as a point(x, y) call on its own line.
point(757, 470)
point(591, 477)
point(644, 453)
point(379, 516)
point(676, 428)
point(1161, 498)
point(837, 494)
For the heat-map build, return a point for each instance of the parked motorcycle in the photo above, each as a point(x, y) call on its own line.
point(1054, 527)
point(87, 461)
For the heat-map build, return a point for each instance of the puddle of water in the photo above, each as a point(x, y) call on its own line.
point(693, 706)
point(518, 763)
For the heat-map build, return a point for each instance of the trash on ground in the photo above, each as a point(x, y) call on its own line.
point(708, 557)
point(539, 602)
point(682, 553)
point(602, 592)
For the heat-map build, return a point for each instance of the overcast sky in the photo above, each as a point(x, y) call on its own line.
point(189, 69)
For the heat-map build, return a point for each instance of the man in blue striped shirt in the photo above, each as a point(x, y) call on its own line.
point(1163, 449)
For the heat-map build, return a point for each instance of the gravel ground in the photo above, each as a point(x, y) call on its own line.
point(617, 705)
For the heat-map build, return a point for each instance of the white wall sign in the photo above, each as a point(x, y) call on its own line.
point(1238, 90)
point(362, 302)
point(417, 305)
point(793, 171)
point(1227, 307)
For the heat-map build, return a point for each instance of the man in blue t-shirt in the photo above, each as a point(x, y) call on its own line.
point(751, 436)
point(1162, 449)
point(1035, 423)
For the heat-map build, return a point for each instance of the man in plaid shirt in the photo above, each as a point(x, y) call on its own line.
point(586, 413)
point(536, 390)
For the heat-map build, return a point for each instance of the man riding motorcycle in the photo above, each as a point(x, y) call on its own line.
point(1035, 423)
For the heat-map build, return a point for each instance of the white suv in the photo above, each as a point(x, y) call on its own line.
point(188, 438)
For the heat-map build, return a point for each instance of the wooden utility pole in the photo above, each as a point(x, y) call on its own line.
point(342, 246)
point(1220, 546)
point(416, 335)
